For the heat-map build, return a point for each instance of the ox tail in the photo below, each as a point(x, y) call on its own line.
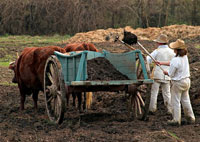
point(152, 73)
point(88, 99)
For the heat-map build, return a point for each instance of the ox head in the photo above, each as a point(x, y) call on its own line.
point(12, 66)
point(86, 47)
point(90, 47)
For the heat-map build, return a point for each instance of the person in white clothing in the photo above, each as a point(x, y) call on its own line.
point(179, 71)
point(162, 53)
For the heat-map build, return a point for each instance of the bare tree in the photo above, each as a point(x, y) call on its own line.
point(72, 16)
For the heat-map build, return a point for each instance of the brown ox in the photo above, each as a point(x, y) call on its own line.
point(87, 96)
point(29, 71)
point(80, 47)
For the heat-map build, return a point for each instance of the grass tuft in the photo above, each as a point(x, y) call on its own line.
point(198, 46)
point(4, 64)
point(174, 136)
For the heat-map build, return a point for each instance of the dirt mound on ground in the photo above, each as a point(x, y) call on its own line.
point(101, 35)
point(195, 79)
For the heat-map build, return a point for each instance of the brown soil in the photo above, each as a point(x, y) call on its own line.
point(107, 120)
point(101, 69)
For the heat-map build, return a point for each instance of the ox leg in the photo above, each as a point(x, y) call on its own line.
point(84, 101)
point(35, 99)
point(67, 98)
point(79, 95)
point(22, 99)
point(74, 99)
point(67, 95)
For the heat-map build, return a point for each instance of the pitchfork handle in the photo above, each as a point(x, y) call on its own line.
point(127, 45)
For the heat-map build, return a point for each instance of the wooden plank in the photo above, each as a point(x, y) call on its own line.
point(113, 82)
point(81, 67)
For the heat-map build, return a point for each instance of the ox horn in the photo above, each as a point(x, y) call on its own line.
point(11, 62)
point(17, 55)
point(11, 65)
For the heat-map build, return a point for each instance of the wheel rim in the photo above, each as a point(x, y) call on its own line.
point(54, 90)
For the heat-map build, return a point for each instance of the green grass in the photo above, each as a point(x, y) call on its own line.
point(21, 41)
point(4, 64)
point(28, 41)
point(4, 61)
point(8, 84)
point(174, 135)
point(198, 46)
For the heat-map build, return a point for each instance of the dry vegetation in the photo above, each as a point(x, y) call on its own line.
point(173, 32)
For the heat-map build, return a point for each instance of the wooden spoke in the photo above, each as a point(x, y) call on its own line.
point(140, 99)
point(138, 67)
point(54, 105)
point(50, 99)
point(58, 93)
point(50, 78)
point(138, 105)
point(57, 112)
point(51, 69)
point(54, 73)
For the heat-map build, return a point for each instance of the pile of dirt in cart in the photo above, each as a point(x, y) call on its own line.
point(102, 35)
point(101, 69)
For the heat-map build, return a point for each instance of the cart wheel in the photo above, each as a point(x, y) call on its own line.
point(136, 105)
point(147, 91)
point(54, 90)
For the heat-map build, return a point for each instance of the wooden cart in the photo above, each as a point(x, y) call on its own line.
point(65, 74)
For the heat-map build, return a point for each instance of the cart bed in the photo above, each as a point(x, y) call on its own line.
point(74, 67)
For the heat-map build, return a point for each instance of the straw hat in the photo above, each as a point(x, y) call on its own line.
point(178, 44)
point(161, 39)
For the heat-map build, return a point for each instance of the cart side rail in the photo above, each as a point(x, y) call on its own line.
point(74, 65)
point(126, 63)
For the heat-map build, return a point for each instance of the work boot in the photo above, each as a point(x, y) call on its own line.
point(169, 112)
point(190, 120)
point(173, 123)
point(152, 113)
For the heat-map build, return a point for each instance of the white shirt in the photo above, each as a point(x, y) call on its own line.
point(179, 68)
point(162, 53)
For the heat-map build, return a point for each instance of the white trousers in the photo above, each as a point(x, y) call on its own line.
point(180, 95)
point(165, 86)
